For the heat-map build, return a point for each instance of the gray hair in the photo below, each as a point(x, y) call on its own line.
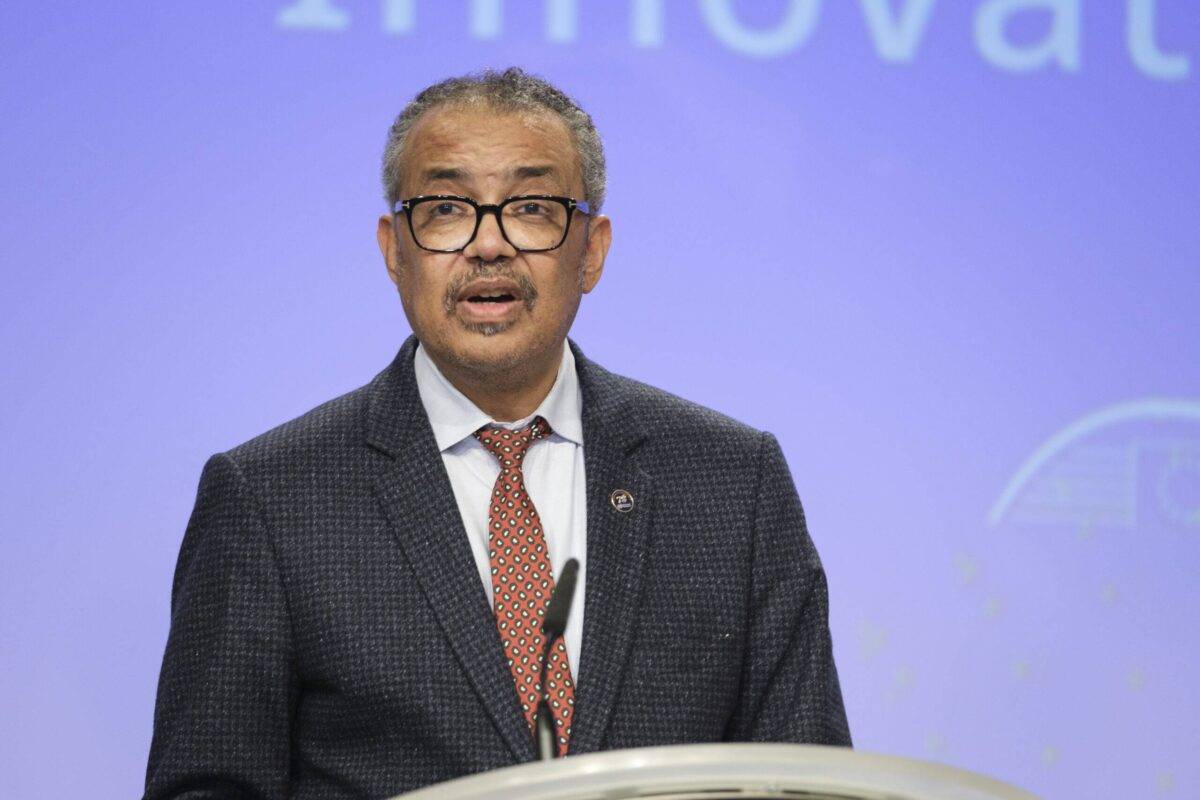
point(510, 90)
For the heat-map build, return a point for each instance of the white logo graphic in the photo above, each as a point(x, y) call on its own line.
point(1123, 466)
point(896, 30)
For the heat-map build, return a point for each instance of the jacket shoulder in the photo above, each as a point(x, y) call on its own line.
point(683, 423)
point(314, 436)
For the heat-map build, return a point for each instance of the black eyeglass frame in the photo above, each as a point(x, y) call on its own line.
point(569, 203)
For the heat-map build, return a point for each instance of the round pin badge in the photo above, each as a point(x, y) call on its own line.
point(622, 500)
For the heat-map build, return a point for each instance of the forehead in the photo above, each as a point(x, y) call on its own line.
point(486, 143)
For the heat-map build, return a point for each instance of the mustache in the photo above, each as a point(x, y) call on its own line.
point(529, 292)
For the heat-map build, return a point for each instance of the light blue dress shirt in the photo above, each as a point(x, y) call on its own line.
point(553, 469)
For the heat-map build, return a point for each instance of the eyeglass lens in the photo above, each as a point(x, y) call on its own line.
point(529, 224)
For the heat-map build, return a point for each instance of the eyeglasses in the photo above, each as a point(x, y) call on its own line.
point(532, 223)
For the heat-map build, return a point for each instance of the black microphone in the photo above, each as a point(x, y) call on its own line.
point(553, 626)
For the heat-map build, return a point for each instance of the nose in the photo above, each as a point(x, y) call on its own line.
point(489, 243)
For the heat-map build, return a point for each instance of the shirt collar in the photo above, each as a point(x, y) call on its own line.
point(454, 417)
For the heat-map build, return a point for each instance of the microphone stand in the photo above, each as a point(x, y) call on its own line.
point(554, 624)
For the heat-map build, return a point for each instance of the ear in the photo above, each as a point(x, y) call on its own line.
point(385, 234)
point(598, 241)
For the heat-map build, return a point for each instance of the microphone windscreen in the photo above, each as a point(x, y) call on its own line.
point(559, 607)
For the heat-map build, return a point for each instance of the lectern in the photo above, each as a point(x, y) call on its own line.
point(725, 772)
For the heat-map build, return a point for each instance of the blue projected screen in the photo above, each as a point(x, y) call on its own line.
point(947, 252)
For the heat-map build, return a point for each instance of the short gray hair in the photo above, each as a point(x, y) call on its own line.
point(510, 90)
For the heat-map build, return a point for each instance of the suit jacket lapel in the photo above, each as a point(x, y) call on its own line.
point(416, 495)
point(617, 544)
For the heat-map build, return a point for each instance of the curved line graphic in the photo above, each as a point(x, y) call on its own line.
point(1150, 408)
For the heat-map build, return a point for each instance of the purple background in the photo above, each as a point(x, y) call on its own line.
point(915, 273)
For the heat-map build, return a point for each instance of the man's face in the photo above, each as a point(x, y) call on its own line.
point(489, 310)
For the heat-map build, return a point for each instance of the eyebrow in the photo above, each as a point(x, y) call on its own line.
point(444, 174)
point(539, 171)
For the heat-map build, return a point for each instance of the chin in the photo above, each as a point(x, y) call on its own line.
point(487, 328)
point(490, 347)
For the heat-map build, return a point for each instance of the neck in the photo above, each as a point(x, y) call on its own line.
point(506, 394)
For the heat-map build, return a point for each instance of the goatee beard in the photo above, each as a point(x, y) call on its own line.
point(529, 295)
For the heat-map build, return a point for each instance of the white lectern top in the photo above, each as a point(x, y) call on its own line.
point(724, 772)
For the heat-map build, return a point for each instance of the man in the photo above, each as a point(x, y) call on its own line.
point(356, 609)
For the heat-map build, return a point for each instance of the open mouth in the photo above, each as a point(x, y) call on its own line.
point(493, 300)
point(493, 297)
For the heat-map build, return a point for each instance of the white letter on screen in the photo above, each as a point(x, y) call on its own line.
point(1145, 52)
point(485, 19)
point(1061, 44)
point(562, 20)
point(797, 25)
point(648, 23)
point(399, 16)
point(897, 40)
point(318, 14)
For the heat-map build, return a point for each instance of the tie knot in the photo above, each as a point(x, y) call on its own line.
point(509, 447)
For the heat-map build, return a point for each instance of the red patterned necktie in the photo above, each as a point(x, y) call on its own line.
point(522, 581)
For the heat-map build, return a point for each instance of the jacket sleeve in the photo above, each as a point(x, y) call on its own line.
point(227, 686)
point(790, 690)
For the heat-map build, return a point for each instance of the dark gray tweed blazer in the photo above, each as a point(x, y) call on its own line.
point(330, 636)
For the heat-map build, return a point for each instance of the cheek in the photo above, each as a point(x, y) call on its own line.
point(422, 289)
point(423, 271)
point(561, 281)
